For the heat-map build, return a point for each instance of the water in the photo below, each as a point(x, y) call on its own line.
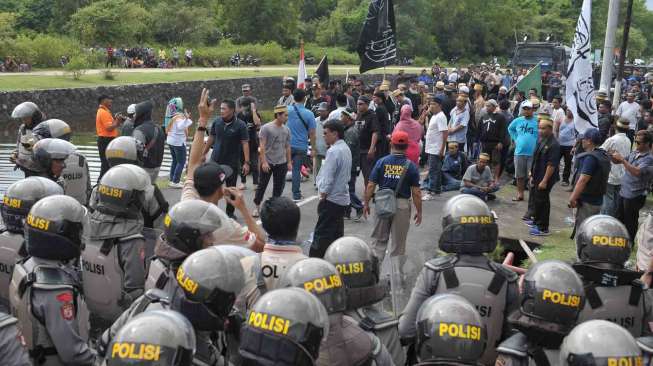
point(8, 175)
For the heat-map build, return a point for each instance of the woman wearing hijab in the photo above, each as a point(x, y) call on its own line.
point(413, 129)
point(176, 124)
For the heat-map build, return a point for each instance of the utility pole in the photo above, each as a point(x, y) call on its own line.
point(622, 55)
point(608, 47)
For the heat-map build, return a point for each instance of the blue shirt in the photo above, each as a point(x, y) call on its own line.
point(388, 170)
point(632, 186)
point(524, 132)
point(298, 129)
point(588, 165)
point(333, 178)
point(456, 166)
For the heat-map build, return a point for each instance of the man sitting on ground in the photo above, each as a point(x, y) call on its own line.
point(454, 166)
point(478, 180)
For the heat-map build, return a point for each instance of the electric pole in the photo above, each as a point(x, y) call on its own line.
point(608, 47)
point(622, 55)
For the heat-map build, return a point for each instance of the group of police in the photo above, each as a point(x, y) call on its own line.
point(86, 283)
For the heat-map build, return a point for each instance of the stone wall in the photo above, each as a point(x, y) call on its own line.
point(78, 106)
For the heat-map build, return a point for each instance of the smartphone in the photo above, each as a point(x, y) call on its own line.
point(208, 99)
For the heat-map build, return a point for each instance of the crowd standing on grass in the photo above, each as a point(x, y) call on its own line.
point(90, 277)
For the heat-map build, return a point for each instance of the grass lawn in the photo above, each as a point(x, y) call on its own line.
point(32, 82)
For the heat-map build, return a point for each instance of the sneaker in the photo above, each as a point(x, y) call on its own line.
point(359, 214)
point(526, 218)
point(535, 231)
point(530, 223)
point(175, 185)
point(297, 200)
point(491, 197)
point(428, 197)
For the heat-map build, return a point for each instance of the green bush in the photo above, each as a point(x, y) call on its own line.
point(40, 51)
point(77, 66)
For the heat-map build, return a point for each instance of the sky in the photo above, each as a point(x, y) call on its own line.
point(649, 4)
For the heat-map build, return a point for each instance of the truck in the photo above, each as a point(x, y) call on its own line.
point(552, 56)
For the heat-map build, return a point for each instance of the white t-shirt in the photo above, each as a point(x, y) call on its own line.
point(177, 133)
point(558, 115)
point(629, 111)
point(437, 125)
point(621, 144)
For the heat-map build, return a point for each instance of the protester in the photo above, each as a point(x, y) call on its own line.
point(636, 180)
point(301, 124)
point(478, 180)
point(493, 132)
point(384, 109)
point(414, 130)
point(454, 167)
point(127, 127)
point(332, 185)
point(618, 143)
point(246, 89)
point(368, 123)
point(566, 135)
point(341, 105)
point(605, 118)
point(320, 145)
point(523, 131)
point(177, 132)
point(249, 114)
point(629, 110)
point(106, 129)
point(352, 139)
point(458, 123)
point(286, 95)
point(436, 138)
point(275, 156)
point(151, 136)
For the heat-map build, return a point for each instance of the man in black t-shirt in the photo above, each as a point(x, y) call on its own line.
point(252, 119)
point(368, 124)
point(229, 139)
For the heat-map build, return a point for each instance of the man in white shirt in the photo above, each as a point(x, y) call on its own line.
point(630, 111)
point(620, 143)
point(436, 138)
point(341, 104)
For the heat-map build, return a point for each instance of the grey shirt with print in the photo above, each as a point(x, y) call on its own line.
point(277, 141)
point(482, 179)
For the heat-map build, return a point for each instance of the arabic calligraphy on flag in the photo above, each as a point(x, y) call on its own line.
point(377, 46)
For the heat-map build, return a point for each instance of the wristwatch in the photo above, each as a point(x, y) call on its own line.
point(247, 162)
point(202, 128)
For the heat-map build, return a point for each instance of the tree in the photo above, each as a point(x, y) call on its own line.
point(7, 24)
point(112, 22)
point(35, 15)
point(177, 23)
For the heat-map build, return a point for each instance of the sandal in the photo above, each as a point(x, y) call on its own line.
point(517, 199)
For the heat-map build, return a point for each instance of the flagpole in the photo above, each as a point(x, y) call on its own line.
point(529, 71)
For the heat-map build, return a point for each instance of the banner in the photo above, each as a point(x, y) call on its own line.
point(301, 71)
point(377, 46)
point(532, 80)
point(580, 94)
point(323, 71)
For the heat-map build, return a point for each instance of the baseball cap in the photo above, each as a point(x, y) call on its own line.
point(591, 134)
point(527, 104)
point(211, 175)
point(436, 98)
point(464, 89)
point(246, 87)
point(131, 109)
point(439, 85)
point(322, 107)
point(399, 138)
point(492, 102)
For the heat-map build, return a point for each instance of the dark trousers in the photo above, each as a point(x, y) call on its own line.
point(435, 174)
point(366, 166)
point(541, 207)
point(278, 172)
point(356, 203)
point(231, 182)
point(253, 165)
point(628, 213)
point(102, 143)
point(566, 155)
point(329, 227)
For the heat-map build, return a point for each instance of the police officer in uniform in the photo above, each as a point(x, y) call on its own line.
point(125, 150)
point(552, 297)
point(451, 332)
point(276, 334)
point(346, 344)
point(113, 259)
point(469, 231)
point(158, 337)
point(76, 176)
point(360, 270)
point(12, 348)
point(613, 292)
point(18, 200)
point(50, 158)
point(599, 342)
point(30, 116)
point(204, 291)
point(45, 291)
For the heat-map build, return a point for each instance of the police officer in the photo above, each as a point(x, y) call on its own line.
point(113, 259)
point(140, 341)
point(551, 299)
point(12, 349)
point(360, 270)
point(613, 292)
point(18, 200)
point(76, 176)
point(290, 335)
point(30, 116)
point(205, 289)
point(152, 136)
point(451, 332)
point(50, 158)
point(45, 291)
point(346, 344)
point(125, 150)
point(599, 342)
point(469, 231)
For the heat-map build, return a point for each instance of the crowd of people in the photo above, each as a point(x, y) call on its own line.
point(89, 279)
point(148, 57)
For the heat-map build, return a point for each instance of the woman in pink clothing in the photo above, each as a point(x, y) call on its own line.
point(414, 130)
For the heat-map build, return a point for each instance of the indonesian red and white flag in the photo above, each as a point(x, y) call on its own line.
point(301, 71)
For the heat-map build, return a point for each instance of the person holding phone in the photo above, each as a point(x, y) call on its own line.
point(177, 133)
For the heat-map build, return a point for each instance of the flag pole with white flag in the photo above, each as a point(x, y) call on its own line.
point(580, 93)
point(301, 71)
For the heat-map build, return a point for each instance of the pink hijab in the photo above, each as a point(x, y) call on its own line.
point(414, 131)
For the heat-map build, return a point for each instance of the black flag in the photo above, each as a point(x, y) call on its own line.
point(377, 46)
point(323, 71)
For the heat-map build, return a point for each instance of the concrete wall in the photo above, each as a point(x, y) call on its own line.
point(78, 106)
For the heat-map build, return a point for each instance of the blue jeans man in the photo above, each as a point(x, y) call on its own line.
point(178, 161)
point(449, 182)
point(298, 156)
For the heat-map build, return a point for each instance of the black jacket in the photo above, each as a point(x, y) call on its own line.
point(152, 136)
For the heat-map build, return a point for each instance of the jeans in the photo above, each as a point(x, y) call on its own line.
point(278, 172)
point(435, 174)
point(329, 227)
point(628, 213)
point(449, 183)
point(610, 200)
point(298, 156)
point(253, 164)
point(353, 198)
point(178, 161)
point(478, 193)
point(102, 143)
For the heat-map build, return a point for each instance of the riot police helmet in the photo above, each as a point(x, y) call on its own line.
point(122, 190)
point(552, 298)
point(52, 128)
point(189, 225)
point(27, 110)
point(54, 228)
point(157, 337)
point(284, 328)
point(600, 343)
point(212, 277)
point(21, 196)
point(359, 269)
point(125, 150)
point(468, 226)
point(450, 331)
point(50, 149)
point(603, 239)
point(320, 278)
